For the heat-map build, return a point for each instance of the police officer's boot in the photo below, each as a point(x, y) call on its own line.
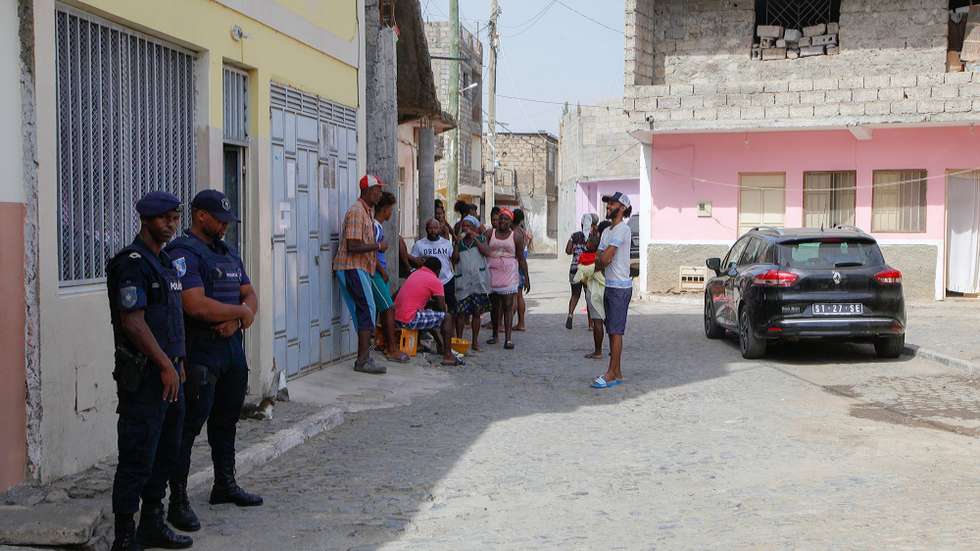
point(180, 513)
point(125, 534)
point(226, 490)
point(154, 532)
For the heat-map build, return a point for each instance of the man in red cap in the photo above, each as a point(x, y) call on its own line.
point(355, 263)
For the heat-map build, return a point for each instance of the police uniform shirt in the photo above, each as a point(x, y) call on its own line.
point(133, 284)
point(192, 270)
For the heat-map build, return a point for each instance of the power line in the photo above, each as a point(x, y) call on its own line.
point(597, 22)
point(555, 102)
point(530, 23)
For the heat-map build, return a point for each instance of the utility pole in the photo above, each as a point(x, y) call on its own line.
point(452, 185)
point(489, 184)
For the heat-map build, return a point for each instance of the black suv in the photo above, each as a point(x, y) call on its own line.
point(789, 284)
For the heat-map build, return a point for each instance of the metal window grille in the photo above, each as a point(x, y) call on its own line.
point(796, 14)
point(898, 201)
point(235, 85)
point(125, 127)
point(829, 199)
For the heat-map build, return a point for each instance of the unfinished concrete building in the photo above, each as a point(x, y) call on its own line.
point(740, 126)
point(527, 179)
point(470, 123)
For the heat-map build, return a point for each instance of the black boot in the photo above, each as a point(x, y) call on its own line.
point(125, 531)
point(226, 490)
point(154, 532)
point(180, 513)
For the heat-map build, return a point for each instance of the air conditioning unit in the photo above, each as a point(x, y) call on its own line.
point(692, 278)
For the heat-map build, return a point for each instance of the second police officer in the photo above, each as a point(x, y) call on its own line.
point(219, 303)
point(148, 332)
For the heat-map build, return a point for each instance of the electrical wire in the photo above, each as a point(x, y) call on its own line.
point(555, 102)
point(852, 188)
point(597, 22)
point(530, 23)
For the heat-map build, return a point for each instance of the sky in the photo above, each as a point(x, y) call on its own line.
point(547, 52)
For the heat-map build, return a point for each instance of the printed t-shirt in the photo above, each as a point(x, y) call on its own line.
point(442, 249)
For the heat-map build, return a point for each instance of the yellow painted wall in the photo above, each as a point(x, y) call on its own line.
point(203, 25)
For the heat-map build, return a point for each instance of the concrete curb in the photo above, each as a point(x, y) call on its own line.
point(275, 445)
point(949, 361)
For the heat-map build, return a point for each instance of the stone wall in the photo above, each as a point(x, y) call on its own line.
point(470, 102)
point(523, 158)
point(638, 30)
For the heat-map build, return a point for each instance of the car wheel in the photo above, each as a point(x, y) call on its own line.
point(752, 346)
point(711, 328)
point(890, 347)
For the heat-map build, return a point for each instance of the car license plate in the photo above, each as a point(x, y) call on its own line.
point(838, 309)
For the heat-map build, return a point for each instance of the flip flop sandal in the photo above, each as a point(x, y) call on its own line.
point(509, 345)
point(492, 341)
point(601, 383)
point(455, 363)
point(568, 322)
point(593, 356)
point(401, 358)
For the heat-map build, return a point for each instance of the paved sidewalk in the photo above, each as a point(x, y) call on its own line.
point(946, 331)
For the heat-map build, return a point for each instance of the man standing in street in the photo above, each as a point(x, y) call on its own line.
point(436, 246)
point(614, 261)
point(355, 263)
point(148, 332)
point(219, 303)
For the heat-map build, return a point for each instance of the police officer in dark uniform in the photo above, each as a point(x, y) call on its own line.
point(148, 330)
point(219, 303)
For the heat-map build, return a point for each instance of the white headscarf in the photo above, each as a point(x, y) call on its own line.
point(588, 220)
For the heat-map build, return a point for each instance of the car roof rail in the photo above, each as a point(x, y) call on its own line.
point(774, 229)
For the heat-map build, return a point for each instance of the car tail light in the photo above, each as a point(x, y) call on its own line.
point(776, 278)
point(889, 277)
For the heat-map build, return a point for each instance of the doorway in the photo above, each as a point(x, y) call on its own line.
point(963, 234)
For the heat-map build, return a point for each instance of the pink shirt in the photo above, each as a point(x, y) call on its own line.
point(420, 286)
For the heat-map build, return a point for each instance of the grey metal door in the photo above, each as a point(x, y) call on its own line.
point(312, 164)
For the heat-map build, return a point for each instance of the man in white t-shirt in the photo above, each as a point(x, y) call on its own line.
point(435, 245)
point(614, 261)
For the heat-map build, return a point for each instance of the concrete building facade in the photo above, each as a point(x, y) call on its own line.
point(876, 129)
point(118, 97)
point(470, 120)
point(527, 178)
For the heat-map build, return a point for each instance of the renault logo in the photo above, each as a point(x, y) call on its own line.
point(837, 278)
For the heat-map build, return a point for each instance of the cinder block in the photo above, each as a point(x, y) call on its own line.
point(851, 109)
point(833, 28)
point(800, 111)
point(904, 107)
point(971, 90)
point(679, 90)
point(739, 100)
point(780, 42)
point(682, 114)
point(851, 82)
point(815, 30)
point(792, 35)
point(793, 53)
point(815, 97)
point(877, 81)
point(751, 87)
point(877, 108)
point(767, 43)
point(769, 31)
point(833, 50)
point(891, 94)
point(825, 84)
point(773, 54)
point(777, 112)
point(717, 100)
point(756, 53)
point(959, 105)
point(692, 102)
point(918, 92)
point(752, 113)
point(705, 88)
point(838, 96)
point(668, 103)
point(826, 110)
point(865, 94)
point(958, 78)
point(902, 81)
point(706, 114)
point(729, 113)
point(800, 85)
point(947, 91)
point(788, 98)
point(776, 86)
point(931, 106)
point(810, 51)
point(825, 40)
point(805, 41)
point(931, 80)
point(764, 99)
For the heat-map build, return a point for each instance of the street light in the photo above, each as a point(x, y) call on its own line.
point(470, 87)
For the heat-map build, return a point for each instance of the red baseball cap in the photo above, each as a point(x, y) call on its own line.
point(370, 180)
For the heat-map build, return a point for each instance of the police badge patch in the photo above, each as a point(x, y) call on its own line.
point(128, 297)
point(180, 264)
point(226, 204)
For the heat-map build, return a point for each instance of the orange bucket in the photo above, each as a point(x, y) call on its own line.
point(461, 346)
point(409, 341)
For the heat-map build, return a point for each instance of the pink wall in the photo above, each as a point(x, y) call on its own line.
point(588, 195)
point(722, 157)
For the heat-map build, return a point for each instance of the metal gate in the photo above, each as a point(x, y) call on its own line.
point(314, 179)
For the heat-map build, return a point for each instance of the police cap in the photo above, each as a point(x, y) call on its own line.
point(215, 203)
point(156, 203)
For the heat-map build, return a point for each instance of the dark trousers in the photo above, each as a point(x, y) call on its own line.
point(219, 403)
point(149, 432)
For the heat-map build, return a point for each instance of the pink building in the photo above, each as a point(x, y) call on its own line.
point(877, 133)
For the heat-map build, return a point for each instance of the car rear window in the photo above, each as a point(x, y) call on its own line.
point(829, 253)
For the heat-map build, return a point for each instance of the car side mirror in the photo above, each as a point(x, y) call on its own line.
point(714, 264)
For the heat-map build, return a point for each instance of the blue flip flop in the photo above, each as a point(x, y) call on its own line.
point(601, 383)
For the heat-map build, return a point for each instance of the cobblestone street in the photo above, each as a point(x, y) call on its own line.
point(816, 447)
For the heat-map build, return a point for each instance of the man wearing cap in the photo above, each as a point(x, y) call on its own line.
point(355, 264)
point(614, 261)
point(148, 332)
point(219, 303)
